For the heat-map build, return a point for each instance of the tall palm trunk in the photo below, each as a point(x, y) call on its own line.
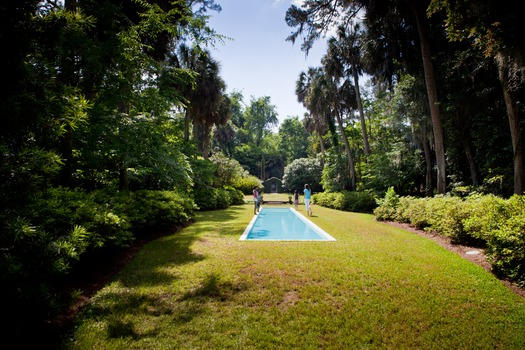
point(469, 153)
point(366, 145)
point(351, 166)
point(187, 120)
point(430, 82)
point(428, 160)
point(516, 131)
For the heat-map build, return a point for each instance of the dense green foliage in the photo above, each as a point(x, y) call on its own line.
point(360, 202)
point(92, 148)
point(485, 220)
point(303, 171)
point(115, 124)
point(61, 230)
point(432, 92)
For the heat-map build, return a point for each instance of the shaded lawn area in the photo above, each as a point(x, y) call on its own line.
point(377, 286)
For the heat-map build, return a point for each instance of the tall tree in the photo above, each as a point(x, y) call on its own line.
point(260, 118)
point(343, 59)
point(314, 121)
point(496, 29)
point(207, 103)
point(317, 16)
point(293, 139)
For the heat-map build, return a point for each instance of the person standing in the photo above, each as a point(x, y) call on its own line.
point(260, 201)
point(296, 199)
point(307, 196)
point(256, 203)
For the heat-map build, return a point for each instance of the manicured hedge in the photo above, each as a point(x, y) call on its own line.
point(362, 202)
point(45, 240)
point(210, 198)
point(493, 222)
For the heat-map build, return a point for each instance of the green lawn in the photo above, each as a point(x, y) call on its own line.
point(376, 287)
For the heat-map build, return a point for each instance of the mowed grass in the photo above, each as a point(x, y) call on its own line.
point(376, 287)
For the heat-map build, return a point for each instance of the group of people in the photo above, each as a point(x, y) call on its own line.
point(257, 199)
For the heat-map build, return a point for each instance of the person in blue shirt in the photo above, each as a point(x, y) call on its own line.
point(307, 196)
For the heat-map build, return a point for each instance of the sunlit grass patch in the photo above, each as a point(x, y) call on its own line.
point(375, 287)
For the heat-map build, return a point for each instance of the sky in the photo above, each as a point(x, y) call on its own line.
point(258, 61)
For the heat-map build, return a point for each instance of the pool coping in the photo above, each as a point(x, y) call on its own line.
point(317, 229)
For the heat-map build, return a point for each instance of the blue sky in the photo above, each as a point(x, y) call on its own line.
point(258, 61)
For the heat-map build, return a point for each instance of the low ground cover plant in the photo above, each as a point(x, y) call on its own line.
point(489, 221)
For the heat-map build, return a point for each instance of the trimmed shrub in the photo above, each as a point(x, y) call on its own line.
point(447, 216)
point(246, 184)
point(362, 202)
point(482, 220)
point(416, 212)
point(236, 196)
point(387, 206)
point(506, 244)
point(487, 213)
point(217, 198)
point(506, 250)
point(205, 198)
point(223, 198)
point(402, 210)
point(153, 209)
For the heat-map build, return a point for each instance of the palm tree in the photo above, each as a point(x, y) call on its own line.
point(498, 35)
point(313, 122)
point(323, 99)
point(316, 17)
point(207, 103)
point(409, 15)
point(343, 59)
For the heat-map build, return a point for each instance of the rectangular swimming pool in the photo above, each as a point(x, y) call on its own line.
point(283, 224)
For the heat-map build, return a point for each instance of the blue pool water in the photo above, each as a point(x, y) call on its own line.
point(283, 224)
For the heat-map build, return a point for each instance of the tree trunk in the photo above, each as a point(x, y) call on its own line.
point(366, 145)
point(187, 118)
point(467, 146)
point(430, 82)
point(428, 161)
point(198, 135)
point(206, 141)
point(516, 131)
point(351, 166)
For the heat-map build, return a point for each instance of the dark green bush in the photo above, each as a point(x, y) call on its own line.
point(481, 220)
point(223, 198)
point(45, 241)
point(205, 198)
point(150, 209)
point(387, 206)
point(236, 196)
point(362, 202)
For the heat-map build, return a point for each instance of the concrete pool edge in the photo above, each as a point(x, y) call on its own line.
point(327, 237)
